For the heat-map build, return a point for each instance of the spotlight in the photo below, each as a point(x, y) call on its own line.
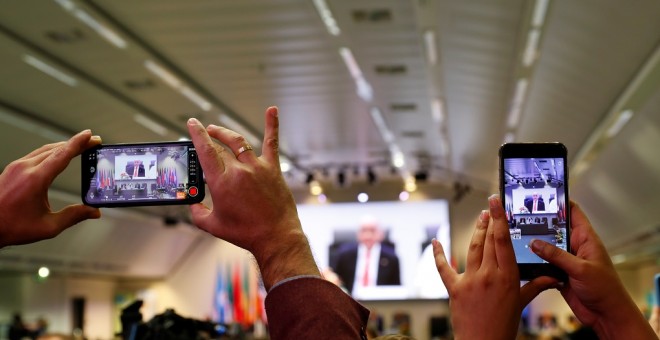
point(421, 176)
point(43, 272)
point(363, 197)
point(341, 178)
point(371, 176)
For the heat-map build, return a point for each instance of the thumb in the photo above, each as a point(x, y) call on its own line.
point(533, 288)
point(74, 214)
point(554, 255)
point(200, 213)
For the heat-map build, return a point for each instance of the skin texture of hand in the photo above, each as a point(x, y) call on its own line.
point(252, 205)
point(594, 291)
point(486, 301)
point(655, 320)
point(25, 213)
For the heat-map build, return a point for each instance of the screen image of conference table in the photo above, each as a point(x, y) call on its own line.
point(529, 232)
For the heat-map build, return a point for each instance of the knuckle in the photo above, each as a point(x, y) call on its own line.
point(237, 139)
point(476, 246)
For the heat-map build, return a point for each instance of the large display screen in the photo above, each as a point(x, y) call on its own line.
point(380, 250)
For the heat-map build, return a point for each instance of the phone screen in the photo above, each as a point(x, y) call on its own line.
point(142, 174)
point(535, 198)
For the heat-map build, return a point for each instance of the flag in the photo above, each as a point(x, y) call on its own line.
point(239, 315)
point(219, 297)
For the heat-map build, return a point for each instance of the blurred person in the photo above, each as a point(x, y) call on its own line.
point(577, 331)
point(368, 261)
point(548, 329)
point(17, 329)
point(486, 301)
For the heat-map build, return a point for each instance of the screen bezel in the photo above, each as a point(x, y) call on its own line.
point(529, 271)
point(86, 177)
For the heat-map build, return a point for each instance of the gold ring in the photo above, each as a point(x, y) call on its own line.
point(242, 149)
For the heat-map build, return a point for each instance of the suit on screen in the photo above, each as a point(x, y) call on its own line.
point(388, 266)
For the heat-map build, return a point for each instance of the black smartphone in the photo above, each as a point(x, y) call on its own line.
point(122, 175)
point(534, 192)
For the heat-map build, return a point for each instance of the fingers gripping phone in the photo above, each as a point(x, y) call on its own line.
point(534, 191)
point(122, 175)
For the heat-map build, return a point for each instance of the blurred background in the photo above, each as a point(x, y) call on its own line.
point(402, 100)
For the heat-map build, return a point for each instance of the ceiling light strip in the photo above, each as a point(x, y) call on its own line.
point(540, 10)
point(174, 82)
point(327, 17)
point(102, 30)
point(517, 103)
point(437, 111)
point(431, 48)
point(32, 126)
point(363, 88)
point(50, 70)
point(151, 124)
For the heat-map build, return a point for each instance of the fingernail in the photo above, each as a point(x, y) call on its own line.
point(212, 126)
point(492, 201)
point(193, 122)
point(483, 216)
point(536, 245)
point(96, 138)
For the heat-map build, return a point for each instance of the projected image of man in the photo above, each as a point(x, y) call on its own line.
point(369, 261)
point(535, 203)
point(135, 169)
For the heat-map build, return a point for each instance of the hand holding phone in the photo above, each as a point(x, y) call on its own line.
point(534, 192)
point(123, 175)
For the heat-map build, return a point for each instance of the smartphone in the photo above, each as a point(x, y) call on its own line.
point(534, 192)
point(122, 175)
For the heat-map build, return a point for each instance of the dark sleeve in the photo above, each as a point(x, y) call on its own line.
point(313, 308)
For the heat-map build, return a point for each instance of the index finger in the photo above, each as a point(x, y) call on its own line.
point(211, 162)
point(61, 156)
point(270, 149)
point(447, 273)
point(506, 258)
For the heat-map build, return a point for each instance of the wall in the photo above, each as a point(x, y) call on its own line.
point(51, 299)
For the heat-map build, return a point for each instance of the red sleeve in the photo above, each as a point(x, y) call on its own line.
point(313, 308)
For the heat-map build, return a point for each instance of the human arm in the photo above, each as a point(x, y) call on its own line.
point(252, 205)
point(594, 291)
point(486, 301)
point(25, 213)
point(254, 209)
point(655, 320)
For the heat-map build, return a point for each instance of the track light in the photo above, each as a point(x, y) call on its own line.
point(371, 176)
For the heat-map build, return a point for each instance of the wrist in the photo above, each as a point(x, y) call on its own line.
point(624, 321)
point(284, 256)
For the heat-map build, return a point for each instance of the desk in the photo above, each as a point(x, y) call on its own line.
point(535, 229)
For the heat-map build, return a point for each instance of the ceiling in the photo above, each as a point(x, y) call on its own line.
point(442, 116)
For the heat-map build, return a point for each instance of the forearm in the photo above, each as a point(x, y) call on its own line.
point(313, 308)
point(624, 322)
point(285, 256)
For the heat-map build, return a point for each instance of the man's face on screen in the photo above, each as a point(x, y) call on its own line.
point(369, 234)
